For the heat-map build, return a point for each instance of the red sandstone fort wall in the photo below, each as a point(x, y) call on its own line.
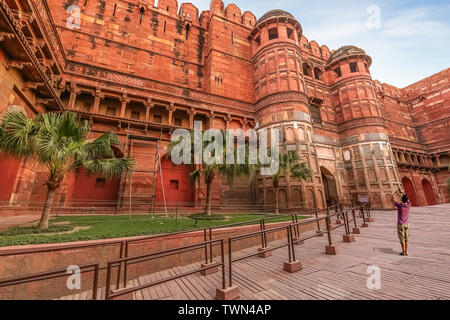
point(142, 69)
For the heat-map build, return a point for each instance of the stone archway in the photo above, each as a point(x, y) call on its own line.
point(429, 193)
point(410, 191)
point(329, 185)
point(310, 199)
point(282, 199)
point(270, 197)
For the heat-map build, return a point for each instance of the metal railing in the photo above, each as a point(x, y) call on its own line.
point(161, 254)
point(207, 236)
point(293, 235)
point(265, 248)
point(122, 263)
point(53, 274)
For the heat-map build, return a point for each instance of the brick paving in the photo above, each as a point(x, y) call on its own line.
point(424, 274)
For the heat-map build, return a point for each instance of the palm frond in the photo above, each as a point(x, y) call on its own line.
point(194, 176)
point(16, 137)
point(100, 147)
point(109, 168)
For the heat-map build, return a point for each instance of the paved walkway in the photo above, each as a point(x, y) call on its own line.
point(424, 274)
point(14, 221)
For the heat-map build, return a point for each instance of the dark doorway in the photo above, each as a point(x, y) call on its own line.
point(410, 192)
point(329, 185)
point(429, 193)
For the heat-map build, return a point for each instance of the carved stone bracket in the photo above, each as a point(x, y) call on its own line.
point(6, 35)
point(32, 85)
point(16, 64)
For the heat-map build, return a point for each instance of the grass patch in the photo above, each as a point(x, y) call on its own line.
point(34, 230)
point(211, 217)
point(106, 227)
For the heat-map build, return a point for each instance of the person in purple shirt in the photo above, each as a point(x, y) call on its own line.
point(402, 221)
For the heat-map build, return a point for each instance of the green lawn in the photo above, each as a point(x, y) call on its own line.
point(105, 227)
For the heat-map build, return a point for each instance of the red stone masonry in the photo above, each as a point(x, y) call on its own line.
point(144, 70)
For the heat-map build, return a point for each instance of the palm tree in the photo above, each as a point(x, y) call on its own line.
point(289, 164)
point(209, 171)
point(58, 141)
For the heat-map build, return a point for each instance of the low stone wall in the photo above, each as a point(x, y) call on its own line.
point(53, 257)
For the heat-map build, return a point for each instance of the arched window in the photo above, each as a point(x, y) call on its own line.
point(290, 34)
point(188, 28)
point(273, 33)
point(307, 71)
point(338, 72)
point(142, 11)
point(317, 74)
point(258, 41)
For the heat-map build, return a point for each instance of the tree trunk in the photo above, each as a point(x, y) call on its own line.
point(208, 199)
point(43, 224)
point(276, 201)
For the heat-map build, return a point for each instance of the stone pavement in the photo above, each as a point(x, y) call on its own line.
point(13, 221)
point(424, 274)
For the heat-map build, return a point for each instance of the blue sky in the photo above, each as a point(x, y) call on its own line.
point(413, 40)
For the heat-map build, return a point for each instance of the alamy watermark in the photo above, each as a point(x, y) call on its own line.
point(374, 280)
point(374, 20)
point(74, 280)
point(74, 18)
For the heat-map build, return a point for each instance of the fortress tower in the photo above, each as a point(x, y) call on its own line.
point(367, 154)
point(281, 103)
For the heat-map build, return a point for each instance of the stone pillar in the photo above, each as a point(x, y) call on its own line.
point(191, 118)
point(211, 117)
point(438, 161)
point(171, 111)
point(244, 124)
point(148, 107)
point(227, 122)
point(124, 101)
point(97, 98)
point(73, 95)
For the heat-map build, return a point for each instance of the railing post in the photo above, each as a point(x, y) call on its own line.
point(364, 225)
point(369, 217)
point(213, 270)
point(339, 214)
point(210, 246)
point(293, 222)
point(264, 233)
point(289, 239)
point(329, 249)
point(262, 253)
point(120, 265)
point(230, 262)
point(222, 251)
point(347, 236)
point(232, 292)
point(108, 281)
point(355, 228)
point(328, 224)
point(318, 231)
point(292, 265)
point(125, 268)
point(261, 228)
point(206, 245)
point(95, 286)
point(297, 226)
